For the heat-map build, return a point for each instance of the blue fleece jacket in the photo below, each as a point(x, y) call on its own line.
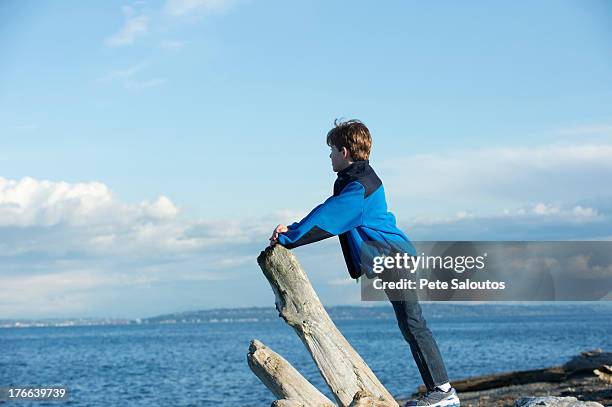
point(357, 214)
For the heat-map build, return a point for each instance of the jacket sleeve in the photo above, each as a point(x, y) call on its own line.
point(338, 214)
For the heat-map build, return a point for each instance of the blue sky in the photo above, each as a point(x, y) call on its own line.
point(141, 139)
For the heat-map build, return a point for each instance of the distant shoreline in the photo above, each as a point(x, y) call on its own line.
point(337, 312)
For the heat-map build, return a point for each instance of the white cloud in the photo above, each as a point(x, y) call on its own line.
point(87, 218)
point(60, 217)
point(70, 248)
point(162, 208)
point(585, 212)
point(539, 211)
point(81, 288)
point(178, 8)
point(30, 202)
point(64, 292)
point(76, 248)
point(135, 26)
point(576, 213)
point(486, 179)
point(543, 209)
point(542, 221)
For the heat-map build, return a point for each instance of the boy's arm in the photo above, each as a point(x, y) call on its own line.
point(338, 214)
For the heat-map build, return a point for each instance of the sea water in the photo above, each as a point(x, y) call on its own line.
point(206, 365)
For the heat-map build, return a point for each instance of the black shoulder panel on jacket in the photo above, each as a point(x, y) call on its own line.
point(359, 171)
point(313, 235)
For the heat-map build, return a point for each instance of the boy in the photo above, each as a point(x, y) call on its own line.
point(357, 213)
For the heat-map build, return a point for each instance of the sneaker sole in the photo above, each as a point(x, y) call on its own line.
point(447, 403)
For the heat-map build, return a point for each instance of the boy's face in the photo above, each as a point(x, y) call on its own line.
point(340, 158)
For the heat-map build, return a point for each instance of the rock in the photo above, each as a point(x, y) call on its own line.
point(604, 373)
point(554, 402)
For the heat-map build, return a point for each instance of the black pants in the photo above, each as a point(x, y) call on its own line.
point(416, 332)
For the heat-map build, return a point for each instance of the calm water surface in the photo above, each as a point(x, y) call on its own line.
point(205, 364)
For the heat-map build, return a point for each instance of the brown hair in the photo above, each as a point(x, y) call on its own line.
point(352, 134)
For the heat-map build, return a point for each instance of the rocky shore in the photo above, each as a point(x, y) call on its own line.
point(554, 386)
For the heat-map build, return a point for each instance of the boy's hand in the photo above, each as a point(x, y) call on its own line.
point(277, 230)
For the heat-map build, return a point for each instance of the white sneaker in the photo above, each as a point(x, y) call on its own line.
point(435, 398)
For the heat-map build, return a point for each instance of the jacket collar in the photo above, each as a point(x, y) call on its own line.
point(355, 169)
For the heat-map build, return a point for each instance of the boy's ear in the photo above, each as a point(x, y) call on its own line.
point(345, 153)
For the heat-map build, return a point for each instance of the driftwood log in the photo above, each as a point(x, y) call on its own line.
point(365, 399)
point(282, 379)
point(349, 378)
point(581, 364)
point(604, 372)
